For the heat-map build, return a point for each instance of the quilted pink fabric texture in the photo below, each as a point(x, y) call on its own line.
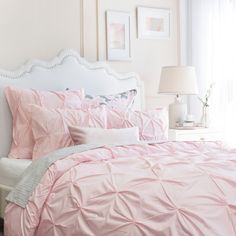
point(153, 124)
point(50, 126)
point(19, 101)
point(121, 101)
point(170, 189)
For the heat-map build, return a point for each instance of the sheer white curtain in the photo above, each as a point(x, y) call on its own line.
point(212, 50)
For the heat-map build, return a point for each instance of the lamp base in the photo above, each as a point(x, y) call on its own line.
point(177, 113)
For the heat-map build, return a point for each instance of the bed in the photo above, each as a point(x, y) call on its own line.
point(67, 70)
point(128, 187)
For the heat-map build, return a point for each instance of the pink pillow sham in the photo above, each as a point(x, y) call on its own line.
point(19, 101)
point(121, 101)
point(50, 126)
point(152, 124)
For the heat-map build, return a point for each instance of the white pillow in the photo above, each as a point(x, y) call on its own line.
point(84, 135)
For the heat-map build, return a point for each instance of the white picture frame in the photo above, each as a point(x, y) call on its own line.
point(153, 23)
point(118, 36)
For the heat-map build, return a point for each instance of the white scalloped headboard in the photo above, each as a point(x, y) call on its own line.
point(67, 70)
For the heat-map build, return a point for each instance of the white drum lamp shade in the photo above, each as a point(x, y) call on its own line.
point(178, 80)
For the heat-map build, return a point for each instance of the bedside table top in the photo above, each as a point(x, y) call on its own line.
point(198, 130)
point(196, 134)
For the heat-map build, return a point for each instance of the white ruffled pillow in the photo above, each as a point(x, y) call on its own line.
point(84, 135)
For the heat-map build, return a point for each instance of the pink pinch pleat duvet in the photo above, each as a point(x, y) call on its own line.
point(168, 189)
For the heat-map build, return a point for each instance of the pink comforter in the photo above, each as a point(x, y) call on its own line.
point(174, 189)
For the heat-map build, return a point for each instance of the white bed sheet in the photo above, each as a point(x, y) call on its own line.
point(11, 171)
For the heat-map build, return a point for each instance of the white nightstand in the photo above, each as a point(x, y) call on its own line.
point(198, 134)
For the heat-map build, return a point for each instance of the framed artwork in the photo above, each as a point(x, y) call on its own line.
point(153, 23)
point(118, 36)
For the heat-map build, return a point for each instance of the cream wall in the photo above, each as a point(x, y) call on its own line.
point(41, 28)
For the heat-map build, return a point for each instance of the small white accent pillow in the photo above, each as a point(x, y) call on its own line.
point(84, 135)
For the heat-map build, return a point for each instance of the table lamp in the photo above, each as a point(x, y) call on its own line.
point(178, 80)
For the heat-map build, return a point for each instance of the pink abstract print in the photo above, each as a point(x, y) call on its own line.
point(155, 24)
point(117, 36)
